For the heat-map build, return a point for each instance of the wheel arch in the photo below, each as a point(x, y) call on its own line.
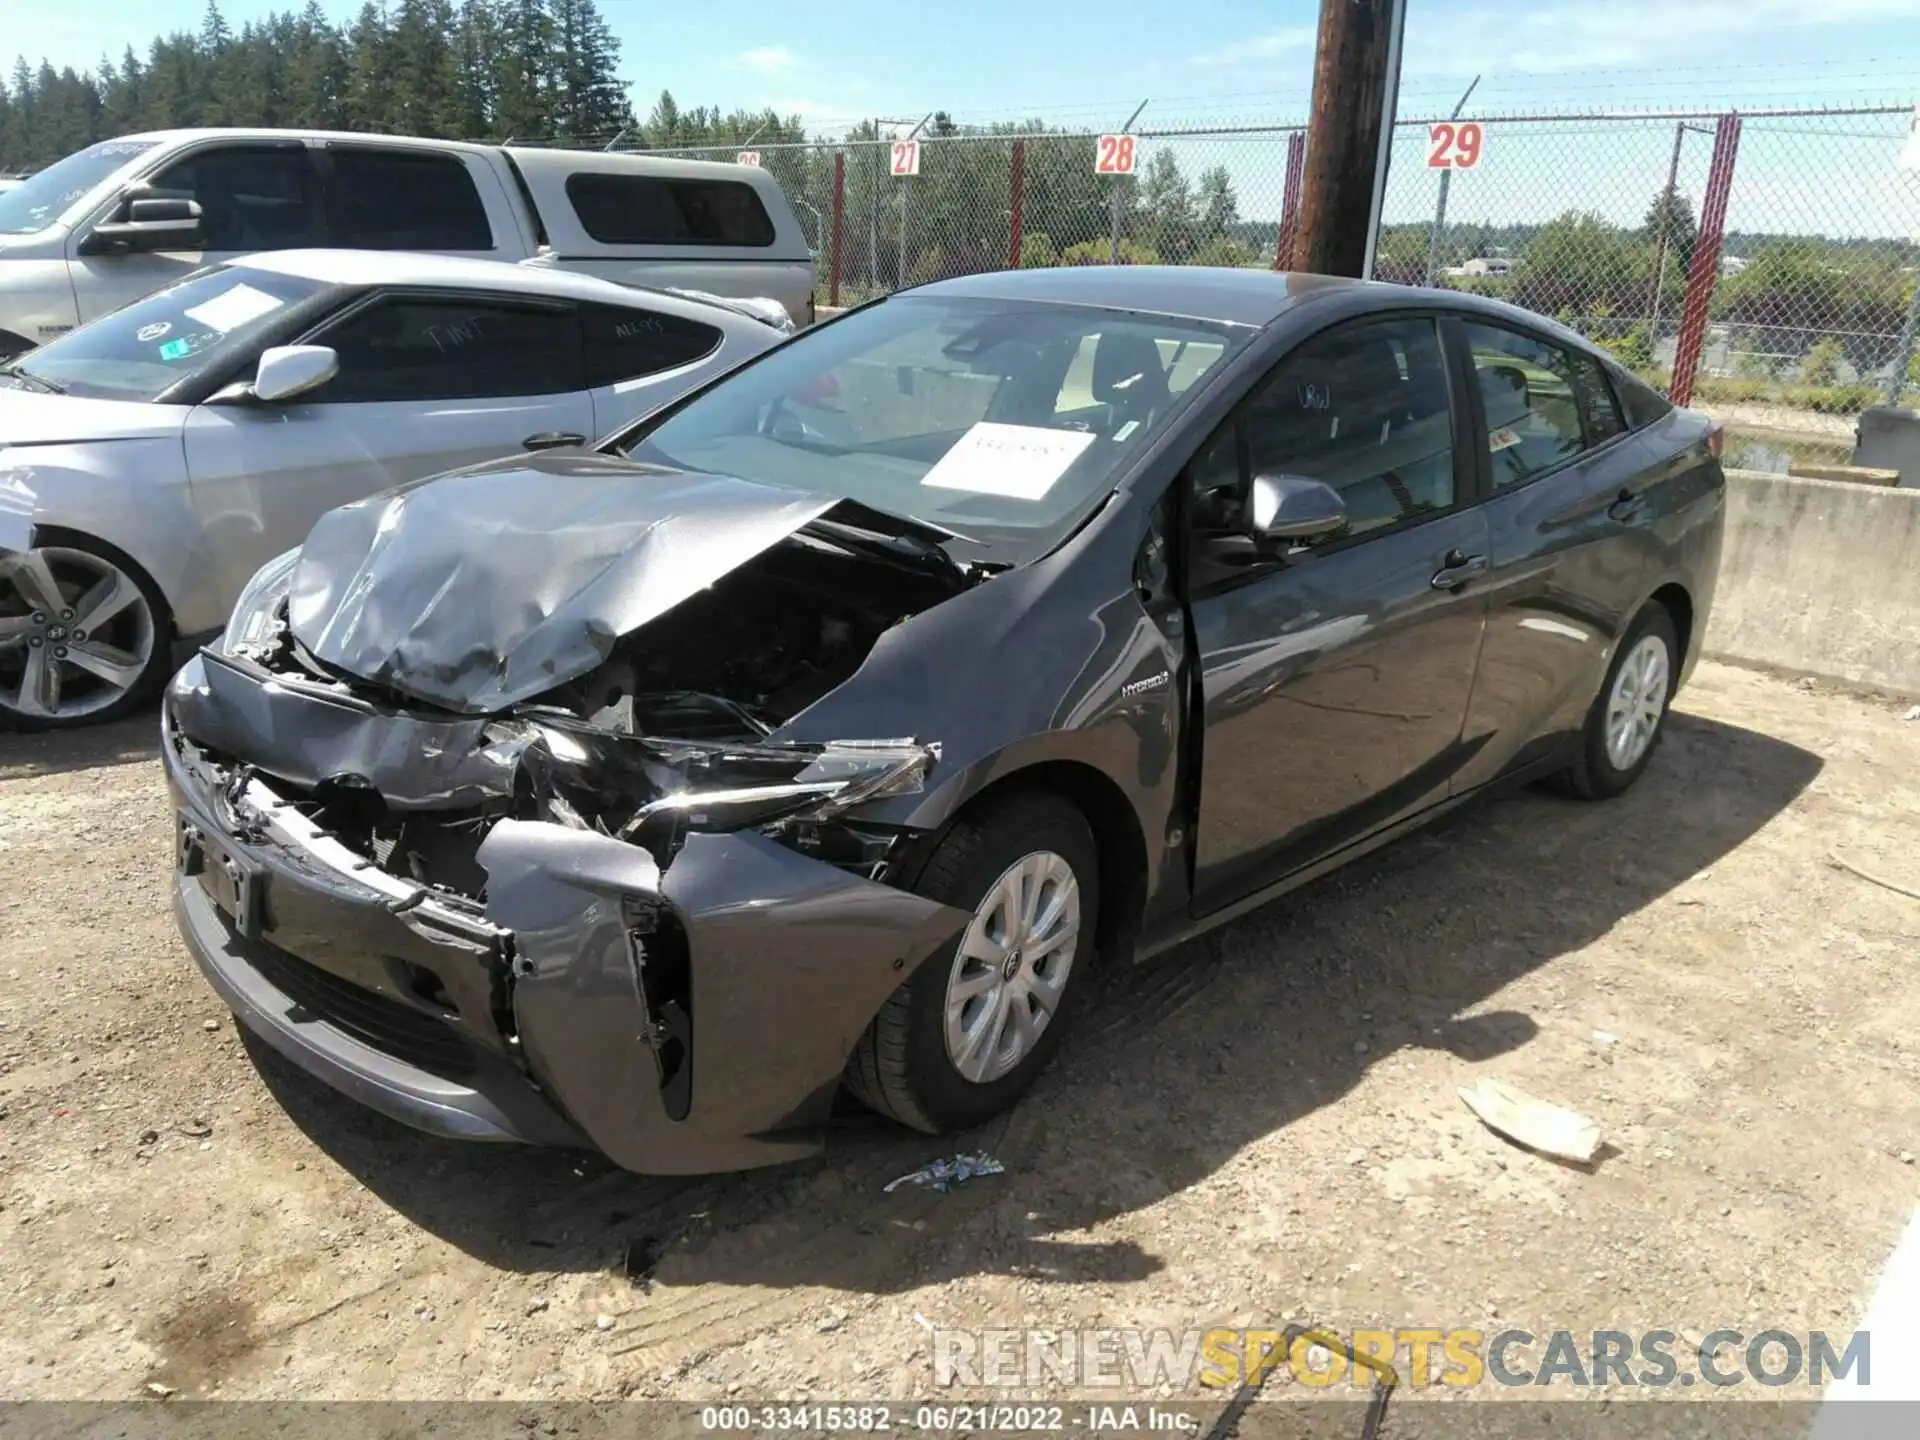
point(1678, 602)
point(1119, 841)
point(44, 535)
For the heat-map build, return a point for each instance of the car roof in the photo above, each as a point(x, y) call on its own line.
point(403, 267)
point(1234, 297)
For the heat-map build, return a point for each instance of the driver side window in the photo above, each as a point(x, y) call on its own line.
point(1364, 408)
point(250, 198)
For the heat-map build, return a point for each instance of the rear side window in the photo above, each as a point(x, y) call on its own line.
point(626, 344)
point(1598, 410)
point(1528, 389)
point(1642, 403)
point(395, 200)
point(657, 210)
point(453, 349)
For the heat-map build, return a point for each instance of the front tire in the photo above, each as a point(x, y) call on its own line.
point(84, 636)
point(965, 1037)
point(1629, 715)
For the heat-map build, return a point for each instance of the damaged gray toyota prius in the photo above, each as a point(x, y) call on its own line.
point(829, 726)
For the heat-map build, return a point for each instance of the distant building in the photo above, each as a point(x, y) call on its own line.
point(1494, 265)
point(1731, 264)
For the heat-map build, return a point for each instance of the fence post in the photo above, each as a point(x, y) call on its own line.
point(1016, 200)
point(1290, 201)
point(1706, 260)
point(839, 225)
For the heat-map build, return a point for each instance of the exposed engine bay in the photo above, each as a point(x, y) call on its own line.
point(668, 734)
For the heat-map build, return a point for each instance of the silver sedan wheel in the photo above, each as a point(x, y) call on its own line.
point(1638, 700)
point(76, 634)
point(1011, 969)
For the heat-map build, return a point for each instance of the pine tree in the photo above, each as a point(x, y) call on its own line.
point(370, 100)
point(592, 101)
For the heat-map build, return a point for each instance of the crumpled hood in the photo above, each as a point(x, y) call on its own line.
point(484, 588)
point(33, 417)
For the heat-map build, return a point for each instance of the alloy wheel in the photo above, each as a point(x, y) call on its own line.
point(1011, 968)
point(76, 633)
point(1638, 700)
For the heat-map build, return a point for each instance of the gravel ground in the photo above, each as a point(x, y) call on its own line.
point(1259, 1127)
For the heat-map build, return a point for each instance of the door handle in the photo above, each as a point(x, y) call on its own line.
point(552, 440)
point(1457, 569)
point(1628, 507)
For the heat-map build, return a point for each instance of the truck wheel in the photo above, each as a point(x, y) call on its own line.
point(968, 1033)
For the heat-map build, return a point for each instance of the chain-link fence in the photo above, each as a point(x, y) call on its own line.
point(1600, 221)
point(1773, 255)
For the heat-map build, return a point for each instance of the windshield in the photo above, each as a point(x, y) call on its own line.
point(44, 197)
point(183, 333)
point(989, 418)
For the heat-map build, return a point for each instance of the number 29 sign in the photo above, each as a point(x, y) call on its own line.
point(1455, 145)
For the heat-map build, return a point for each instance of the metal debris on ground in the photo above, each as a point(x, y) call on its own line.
point(1533, 1123)
point(1833, 858)
point(943, 1175)
point(1385, 1378)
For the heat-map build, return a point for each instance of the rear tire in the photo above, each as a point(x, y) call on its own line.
point(963, 1038)
point(1629, 714)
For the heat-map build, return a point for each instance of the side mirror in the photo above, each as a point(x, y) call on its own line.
point(287, 371)
point(1292, 507)
point(153, 222)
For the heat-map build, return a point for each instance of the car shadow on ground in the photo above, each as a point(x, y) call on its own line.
point(1175, 1066)
point(56, 752)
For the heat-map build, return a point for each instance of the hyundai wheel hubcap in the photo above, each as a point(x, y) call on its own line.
point(75, 633)
point(1011, 968)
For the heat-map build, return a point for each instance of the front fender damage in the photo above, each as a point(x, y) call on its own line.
point(678, 1015)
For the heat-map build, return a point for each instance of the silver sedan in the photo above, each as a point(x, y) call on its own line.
point(152, 460)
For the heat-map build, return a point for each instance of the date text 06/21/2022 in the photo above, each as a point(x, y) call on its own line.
point(947, 1418)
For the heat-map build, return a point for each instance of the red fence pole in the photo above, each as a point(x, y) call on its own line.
point(1705, 269)
point(1016, 200)
point(839, 224)
point(1290, 202)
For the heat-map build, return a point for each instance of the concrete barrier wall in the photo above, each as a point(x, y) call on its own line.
point(1821, 577)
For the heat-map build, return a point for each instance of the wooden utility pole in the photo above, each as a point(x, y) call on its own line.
point(1356, 77)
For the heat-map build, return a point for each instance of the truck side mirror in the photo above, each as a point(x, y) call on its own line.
point(154, 221)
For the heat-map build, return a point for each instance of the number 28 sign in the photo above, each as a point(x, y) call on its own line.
point(1455, 145)
point(1114, 155)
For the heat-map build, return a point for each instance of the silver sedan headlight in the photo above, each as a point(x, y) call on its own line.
point(256, 613)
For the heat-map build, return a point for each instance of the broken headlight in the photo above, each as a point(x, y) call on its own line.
point(751, 787)
point(256, 614)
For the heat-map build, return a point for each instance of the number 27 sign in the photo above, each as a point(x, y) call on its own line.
point(1455, 145)
point(906, 157)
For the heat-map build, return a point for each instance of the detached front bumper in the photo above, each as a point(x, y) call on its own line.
point(529, 1018)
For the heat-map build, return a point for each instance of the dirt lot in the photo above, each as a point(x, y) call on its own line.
point(1261, 1126)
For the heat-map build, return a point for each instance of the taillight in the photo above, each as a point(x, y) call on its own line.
point(1716, 438)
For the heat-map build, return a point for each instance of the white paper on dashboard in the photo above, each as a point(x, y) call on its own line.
point(231, 309)
point(1021, 462)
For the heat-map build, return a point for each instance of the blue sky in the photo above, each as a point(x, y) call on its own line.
point(1093, 60)
point(1088, 63)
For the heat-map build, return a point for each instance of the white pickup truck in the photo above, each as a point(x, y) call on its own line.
point(124, 218)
